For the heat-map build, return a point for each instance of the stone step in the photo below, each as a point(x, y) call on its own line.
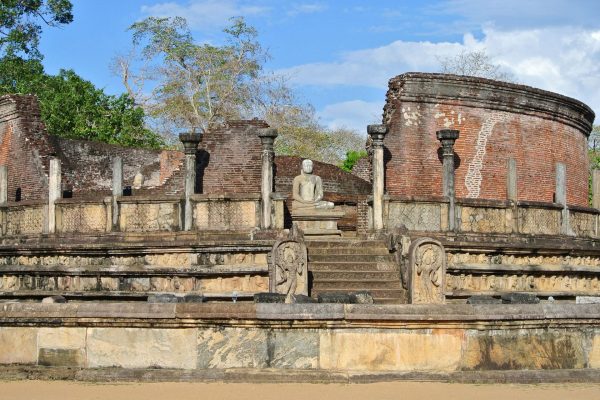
point(375, 251)
point(354, 285)
point(341, 243)
point(325, 276)
point(350, 258)
point(378, 294)
point(351, 266)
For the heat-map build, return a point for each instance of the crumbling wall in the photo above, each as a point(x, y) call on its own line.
point(497, 121)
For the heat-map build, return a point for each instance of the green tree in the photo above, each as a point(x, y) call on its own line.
point(21, 24)
point(352, 158)
point(197, 85)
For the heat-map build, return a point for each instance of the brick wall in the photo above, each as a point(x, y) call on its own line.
point(229, 159)
point(86, 166)
point(25, 148)
point(497, 121)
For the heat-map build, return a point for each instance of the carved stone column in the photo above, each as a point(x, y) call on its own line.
point(447, 137)
point(427, 272)
point(267, 138)
point(596, 188)
point(190, 147)
point(377, 133)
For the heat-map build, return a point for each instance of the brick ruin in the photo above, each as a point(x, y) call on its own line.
point(474, 195)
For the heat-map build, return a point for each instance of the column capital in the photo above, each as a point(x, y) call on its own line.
point(267, 137)
point(190, 141)
point(377, 133)
point(447, 136)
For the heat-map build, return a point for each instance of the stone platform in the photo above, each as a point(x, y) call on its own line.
point(321, 340)
point(318, 222)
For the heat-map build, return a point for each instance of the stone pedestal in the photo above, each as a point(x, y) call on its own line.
point(318, 222)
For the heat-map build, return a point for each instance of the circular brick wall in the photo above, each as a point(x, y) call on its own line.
point(497, 121)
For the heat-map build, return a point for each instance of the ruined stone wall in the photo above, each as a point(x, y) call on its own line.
point(87, 166)
point(25, 147)
point(497, 121)
point(229, 160)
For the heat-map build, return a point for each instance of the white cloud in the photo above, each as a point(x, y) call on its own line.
point(306, 8)
point(561, 59)
point(353, 114)
point(204, 14)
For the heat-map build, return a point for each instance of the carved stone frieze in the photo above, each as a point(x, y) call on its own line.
point(288, 265)
point(427, 272)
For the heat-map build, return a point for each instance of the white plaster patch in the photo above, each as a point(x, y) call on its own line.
point(410, 117)
point(473, 178)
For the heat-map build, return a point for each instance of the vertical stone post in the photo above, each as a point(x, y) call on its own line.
point(377, 134)
point(596, 188)
point(512, 214)
point(447, 137)
point(117, 188)
point(511, 180)
point(560, 196)
point(54, 192)
point(3, 184)
point(267, 138)
point(190, 147)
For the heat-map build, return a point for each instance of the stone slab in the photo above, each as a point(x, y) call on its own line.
point(293, 348)
point(141, 348)
point(61, 357)
point(524, 349)
point(61, 338)
point(18, 345)
point(232, 348)
point(389, 350)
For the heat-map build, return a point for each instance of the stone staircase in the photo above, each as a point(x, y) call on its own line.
point(351, 265)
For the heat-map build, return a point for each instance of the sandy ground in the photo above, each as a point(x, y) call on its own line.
point(48, 390)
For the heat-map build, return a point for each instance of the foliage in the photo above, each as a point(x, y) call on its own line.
point(202, 85)
point(20, 24)
point(73, 107)
point(352, 158)
point(473, 63)
point(197, 85)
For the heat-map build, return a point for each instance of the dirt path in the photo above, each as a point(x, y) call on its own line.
point(52, 390)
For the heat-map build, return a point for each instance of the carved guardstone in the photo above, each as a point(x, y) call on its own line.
point(427, 272)
point(288, 266)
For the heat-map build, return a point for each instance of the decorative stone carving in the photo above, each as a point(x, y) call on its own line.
point(307, 190)
point(288, 266)
point(427, 272)
point(310, 212)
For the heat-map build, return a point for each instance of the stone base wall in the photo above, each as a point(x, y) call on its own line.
point(315, 337)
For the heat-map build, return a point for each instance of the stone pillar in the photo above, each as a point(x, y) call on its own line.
point(54, 192)
point(190, 147)
point(596, 188)
point(3, 184)
point(377, 133)
point(447, 137)
point(267, 138)
point(117, 188)
point(560, 195)
point(511, 180)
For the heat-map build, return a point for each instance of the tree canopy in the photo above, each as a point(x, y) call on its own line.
point(70, 105)
point(21, 24)
point(202, 85)
point(474, 63)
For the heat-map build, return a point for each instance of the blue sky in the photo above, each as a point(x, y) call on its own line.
point(339, 55)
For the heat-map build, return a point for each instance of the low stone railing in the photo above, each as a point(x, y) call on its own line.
point(489, 216)
point(226, 212)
